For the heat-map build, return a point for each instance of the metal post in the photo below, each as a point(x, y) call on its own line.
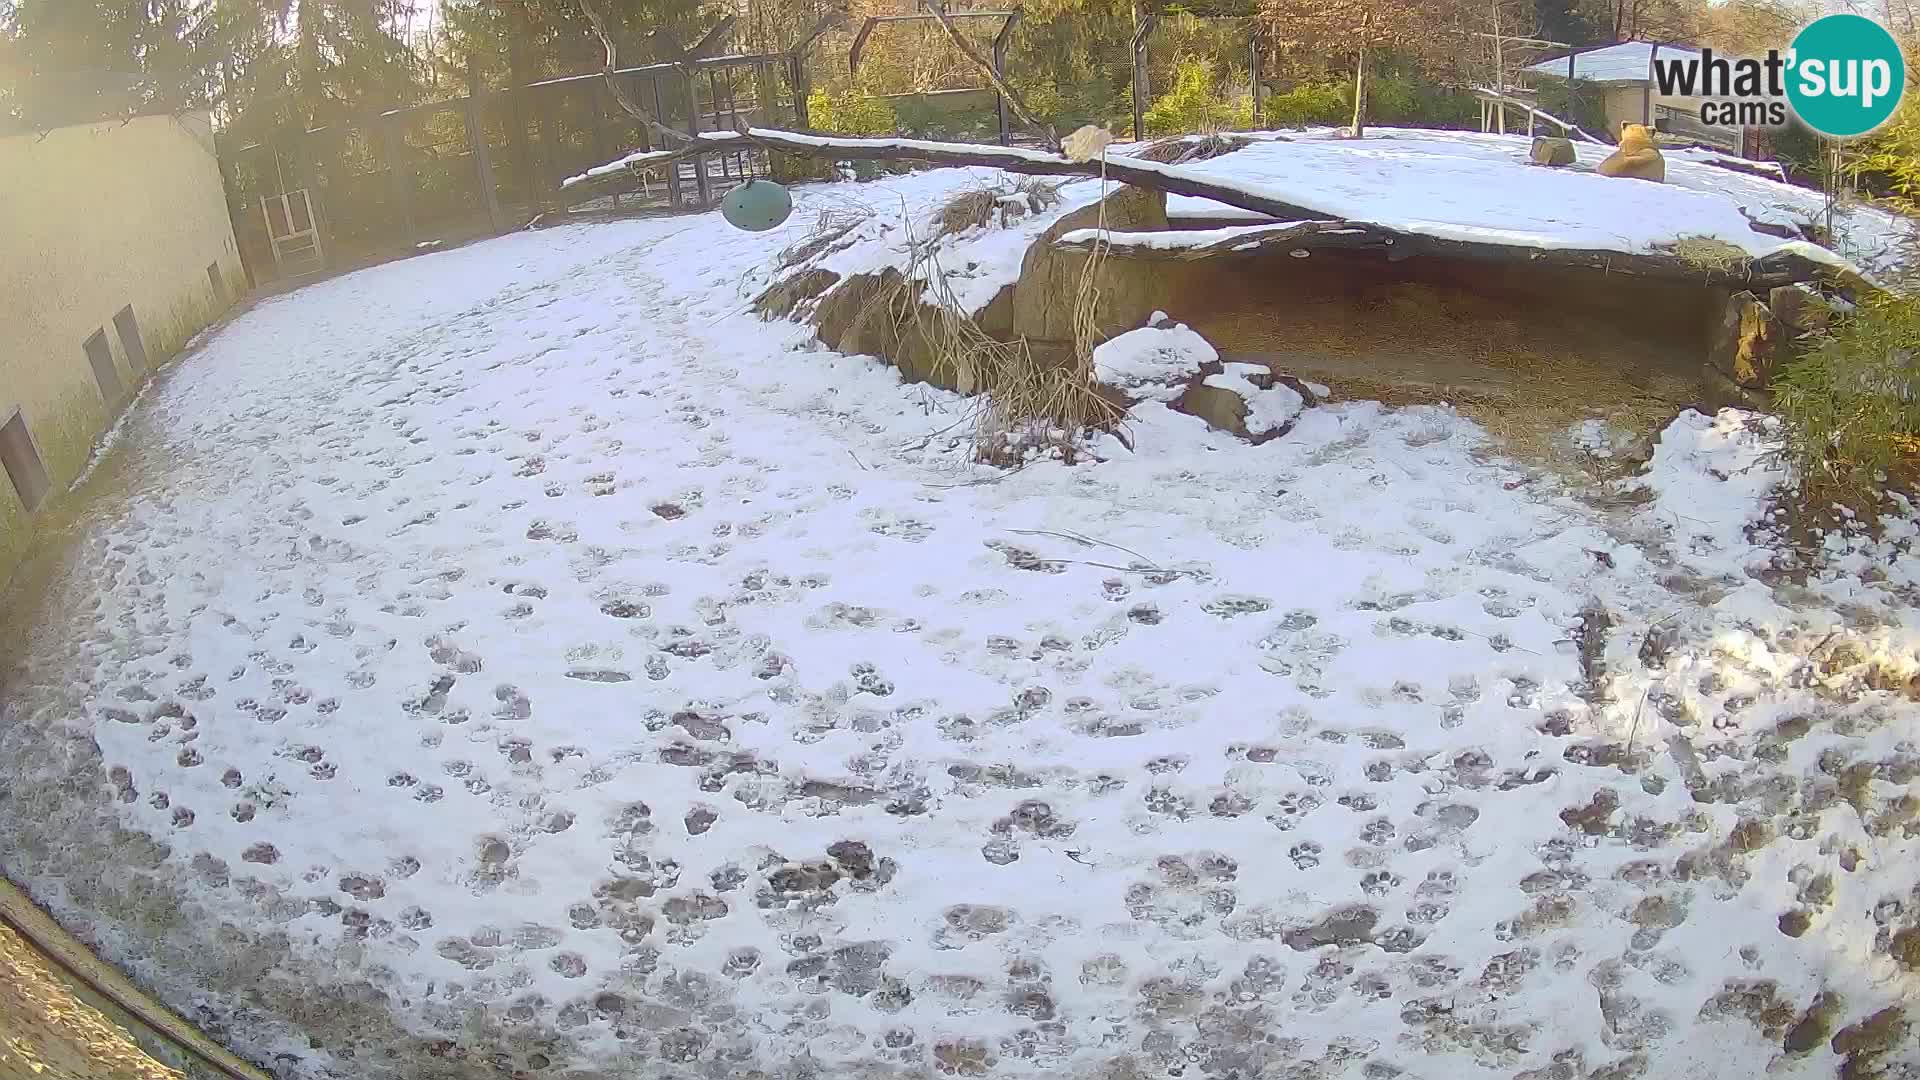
point(306, 167)
point(797, 75)
point(546, 167)
point(1573, 91)
point(596, 102)
point(1140, 76)
point(1000, 41)
point(701, 185)
point(517, 103)
point(797, 64)
point(673, 168)
point(398, 182)
point(1253, 65)
point(482, 154)
point(719, 120)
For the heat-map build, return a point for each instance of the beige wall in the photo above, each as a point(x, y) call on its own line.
point(94, 217)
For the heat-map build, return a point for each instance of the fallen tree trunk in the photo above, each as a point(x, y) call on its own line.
point(1172, 179)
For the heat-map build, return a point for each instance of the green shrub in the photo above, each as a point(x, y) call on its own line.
point(1852, 404)
point(852, 111)
point(1309, 104)
point(1196, 103)
point(1887, 162)
point(1406, 100)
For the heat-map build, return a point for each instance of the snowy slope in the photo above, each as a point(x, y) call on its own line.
point(519, 657)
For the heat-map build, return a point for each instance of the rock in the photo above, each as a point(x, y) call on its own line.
point(996, 319)
point(1153, 363)
point(783, 296)
point(1551, 151)
point(867, 314)
point(1800, 308)
point(1311, 394)
point(1050, 279)
point(852, 319)
point(1247, 400)
point(1746, 343)
point(1220, 408)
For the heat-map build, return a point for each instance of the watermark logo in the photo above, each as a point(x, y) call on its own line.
point(1848, 75)
point(1844, 76)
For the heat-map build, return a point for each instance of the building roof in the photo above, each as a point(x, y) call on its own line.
point(1627, 63)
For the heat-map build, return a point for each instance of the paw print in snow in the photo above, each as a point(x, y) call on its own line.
point(1305, 855)
point(867, 680)
point(1379, 882)
point(1291, 807)
point(1162, 800)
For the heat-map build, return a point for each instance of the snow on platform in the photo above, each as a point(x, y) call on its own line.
point(520, 657)
point(1472, 186)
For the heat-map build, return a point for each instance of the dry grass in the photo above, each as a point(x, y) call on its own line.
point(969, 210)
point(829, 226)
point(980, 207)
point(1181, 149)
point(1709, 255)
point(1022, 404)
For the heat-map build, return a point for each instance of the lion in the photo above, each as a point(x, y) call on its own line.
point(1637, 157)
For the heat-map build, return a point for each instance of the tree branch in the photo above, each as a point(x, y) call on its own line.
point(604, 32)
point(938, 8)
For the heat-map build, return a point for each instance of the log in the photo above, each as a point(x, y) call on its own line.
point(1173, 179)
point(1778, 268)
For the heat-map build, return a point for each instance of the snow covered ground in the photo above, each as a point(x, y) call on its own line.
point(519, 656)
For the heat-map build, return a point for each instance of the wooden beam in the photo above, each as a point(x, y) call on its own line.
point(77, 962)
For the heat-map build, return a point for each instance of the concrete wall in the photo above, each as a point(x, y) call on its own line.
point(95, 217)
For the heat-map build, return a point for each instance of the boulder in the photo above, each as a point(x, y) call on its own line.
point(1746, 343)
point(1799, 308)
point(1220, 407)
point(1551, 151)
point(855, 317)
point(1154, 363)
point(789, 293)
point(1243, 399)
point(1044, 296)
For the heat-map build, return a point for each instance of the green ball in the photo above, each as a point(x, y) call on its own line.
point(756, 206)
